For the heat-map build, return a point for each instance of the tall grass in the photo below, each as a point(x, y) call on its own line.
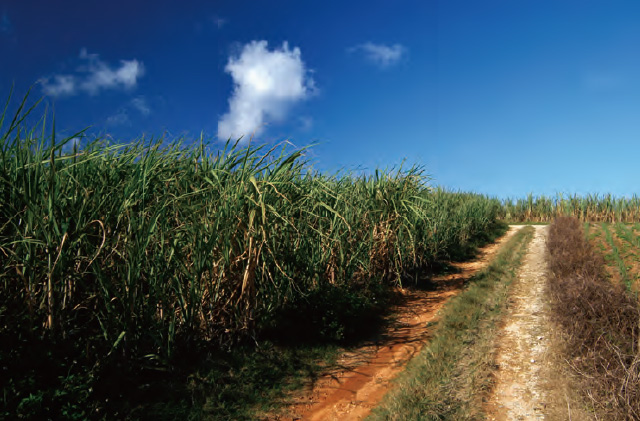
point(591, 207)
point(132, 250)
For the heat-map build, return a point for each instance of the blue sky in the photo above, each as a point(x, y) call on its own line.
point(498, 97)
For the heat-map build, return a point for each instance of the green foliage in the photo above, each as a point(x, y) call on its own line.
point(122, 254)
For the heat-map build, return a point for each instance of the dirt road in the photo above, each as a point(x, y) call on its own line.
point(519, 391)
point(364, 375)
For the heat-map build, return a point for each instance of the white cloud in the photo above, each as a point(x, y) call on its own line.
point(101, 76)
point(141, 104)
point(61, 85)
point(93, 76)
point(380, 54)
point(266, 84)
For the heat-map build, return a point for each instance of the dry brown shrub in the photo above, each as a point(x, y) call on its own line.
point(600, 319)
point(570, 253)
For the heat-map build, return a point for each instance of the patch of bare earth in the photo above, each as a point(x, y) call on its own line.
point(363, 376)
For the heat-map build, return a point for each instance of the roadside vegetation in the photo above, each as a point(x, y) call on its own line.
point(134, 275)
point(599, 319)
point(452, 374)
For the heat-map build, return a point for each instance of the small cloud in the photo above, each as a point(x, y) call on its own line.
point(218, 21)
point(266, 84)
point(59, 85)
point(141, 104)
point(381, 55)
point(118, 119)
point(93, 76)
point(5, 24)
point(102, 76)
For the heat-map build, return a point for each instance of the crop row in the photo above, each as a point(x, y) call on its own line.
point(620, 245)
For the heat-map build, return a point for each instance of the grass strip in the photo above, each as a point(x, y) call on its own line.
point(450, 375)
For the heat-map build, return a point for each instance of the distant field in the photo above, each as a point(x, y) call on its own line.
point(593, 207)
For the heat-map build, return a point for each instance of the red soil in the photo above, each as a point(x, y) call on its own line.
point(363, 376)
